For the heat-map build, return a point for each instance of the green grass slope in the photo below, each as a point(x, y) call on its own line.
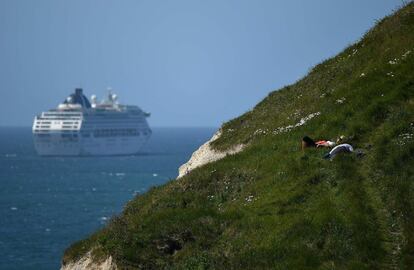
point(273, 206)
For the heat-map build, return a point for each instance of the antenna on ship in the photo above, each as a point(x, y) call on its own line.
point(109, 89)
point(94, 101)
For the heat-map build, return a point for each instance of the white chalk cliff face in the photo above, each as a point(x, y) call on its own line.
point(205, 154)
point(86, 263)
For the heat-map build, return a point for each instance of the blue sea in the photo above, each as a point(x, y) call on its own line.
point(47, 203)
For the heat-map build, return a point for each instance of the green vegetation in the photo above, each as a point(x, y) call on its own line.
point(273, 206)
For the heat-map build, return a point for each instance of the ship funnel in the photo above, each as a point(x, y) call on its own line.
point(78, 91)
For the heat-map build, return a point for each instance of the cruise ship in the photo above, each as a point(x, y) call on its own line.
point(79, 127)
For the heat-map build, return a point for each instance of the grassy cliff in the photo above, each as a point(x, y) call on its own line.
point(273, 206)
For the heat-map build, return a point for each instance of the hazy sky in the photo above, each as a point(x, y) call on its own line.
point(189, 63)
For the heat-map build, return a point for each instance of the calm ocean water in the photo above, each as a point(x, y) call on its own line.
point(48, 203)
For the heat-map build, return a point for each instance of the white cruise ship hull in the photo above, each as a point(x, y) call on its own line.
point(55, 145)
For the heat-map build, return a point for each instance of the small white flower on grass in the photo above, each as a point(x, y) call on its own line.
point(405, 54)
point(362, 75)
point(249, 198)
point(260, 132)
point(393, 62)
point(408, 136)
point(301, 122)
point(403, 138)
point(390, 74)
point(340, 100)
point(210, 197)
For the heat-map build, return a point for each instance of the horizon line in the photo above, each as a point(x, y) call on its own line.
point(25, 126)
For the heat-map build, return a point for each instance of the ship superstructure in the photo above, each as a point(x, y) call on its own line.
point(78, 127)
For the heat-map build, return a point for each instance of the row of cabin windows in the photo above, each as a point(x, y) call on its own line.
point(49, 122)
point(61, 118)
point(62, 126)
point(65, 126)
point(99, 133)
point(54, 131)
point(62, 114)
point(114, 132)
point(64, 135)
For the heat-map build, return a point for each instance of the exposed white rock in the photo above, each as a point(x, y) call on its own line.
point(87, 263)
point(205, 154)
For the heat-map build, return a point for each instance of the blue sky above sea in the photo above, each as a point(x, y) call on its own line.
point(189, 63)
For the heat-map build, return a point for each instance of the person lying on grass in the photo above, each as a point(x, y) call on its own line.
point(308, 142)
point(341, 148)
